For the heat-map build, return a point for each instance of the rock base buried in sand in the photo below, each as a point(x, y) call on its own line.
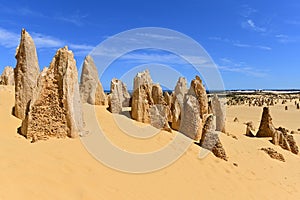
point(273, 154)
point(210, 138)
point(285, 140)
point(266, 128)
point(7, 77)
point(159, 117)
point(118, 97)
point(210, 141)
point(56, 109)
point(219, 111)
point(250, 130)
point(191, 122)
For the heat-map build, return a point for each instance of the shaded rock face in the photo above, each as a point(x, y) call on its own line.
point(142, 78)
point(266, 128)
point(168, 101)
point(55, 110)
point(159, 117)
point(195, 107)
point(118, 97)
point(177, 102)
point(26, 73)
point(176, 114)
point(250, 129)
point(157, 95)
point(7, 77)
point(273, 154)
point(210, 138)
point(141, 102)
point(197, 89)
point(91, 90)
point(190, 124)
point(210, 123)
point(285, 140)
point(219, 111)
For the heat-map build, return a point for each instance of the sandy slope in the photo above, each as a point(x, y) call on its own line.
point(63, 169)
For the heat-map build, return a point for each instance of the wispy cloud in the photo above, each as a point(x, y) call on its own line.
point(252, 46)
point(154, 56)
point(75, 19)
point(285, 39)
point(9, 39)
point(145, 57)
point(240, 67)
point(249, 24)
point(239, 44)
point(45, 41)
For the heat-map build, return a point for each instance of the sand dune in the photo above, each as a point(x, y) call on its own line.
point(63, 169)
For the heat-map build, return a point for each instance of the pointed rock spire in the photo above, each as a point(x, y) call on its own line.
point(91, 90)
point(26, 73)
point(56, 109)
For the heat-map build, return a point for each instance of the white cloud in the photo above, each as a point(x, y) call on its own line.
point(286, 38)
point(249, 24)
point(252, 46)
point(76, 19)
point(81, 47)
point(152, 58)
point(9, 39)
point(44, 41)
point(240, 67)
point(241, 45)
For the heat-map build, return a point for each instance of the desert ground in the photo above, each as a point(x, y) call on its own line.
point(63, 168)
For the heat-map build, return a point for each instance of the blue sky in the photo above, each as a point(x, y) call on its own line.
point(255, 44)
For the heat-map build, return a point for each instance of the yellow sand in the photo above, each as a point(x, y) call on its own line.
point(63, 169)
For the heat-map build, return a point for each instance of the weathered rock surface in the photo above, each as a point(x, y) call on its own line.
point(141, 102)
point(195, 107)
point(168, 99)
point(26, 73)
point(191, 121)
point(285, 140)
point(159, 117)
point(142, 78)
point(210, 123)
point(198, 90)
point(118, 97)
point(157, 94)
point(266, 128)
point(210, 138)
point(176, 114)
point(219, 111)
point(91, 90)
point(55, 110)
point(250, 129)
point(180, 90)
point(273, 154)
point(177, 102)
point(7, 77)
